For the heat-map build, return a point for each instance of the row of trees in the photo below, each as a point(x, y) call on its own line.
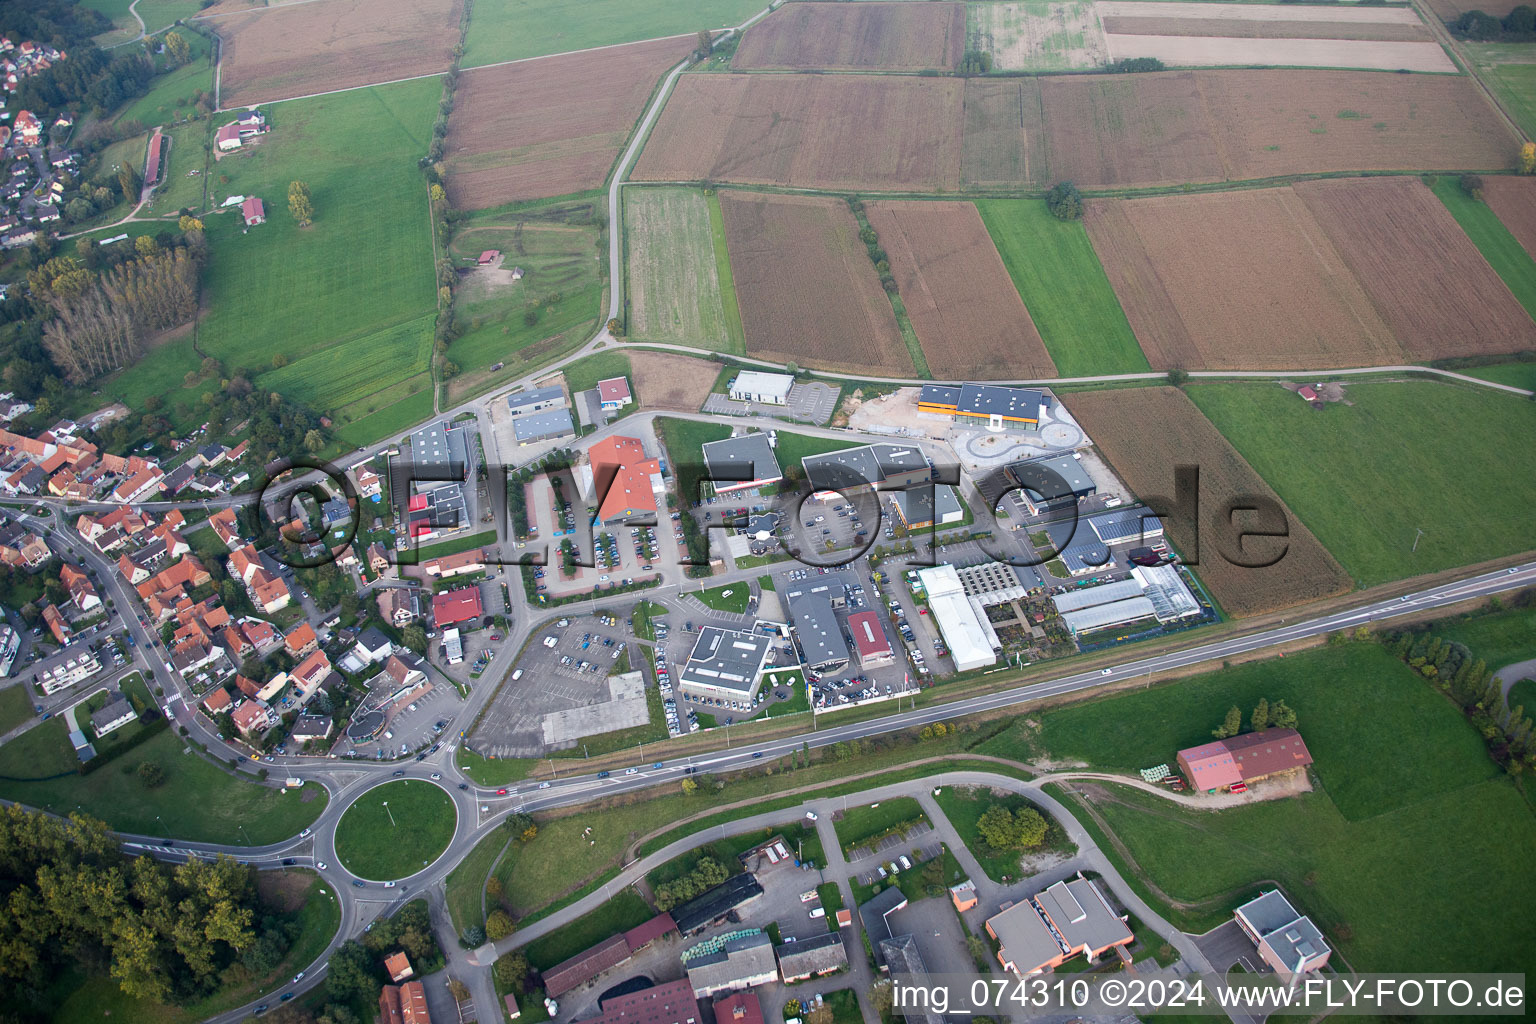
point(166, 934)
point(1263, 716)
point(102, 324)
point(706, 874)
point(1518, 26)
point(1005, 829)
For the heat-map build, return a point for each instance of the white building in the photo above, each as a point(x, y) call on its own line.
point(971, 640)
point(77, 665)
point(756, 386)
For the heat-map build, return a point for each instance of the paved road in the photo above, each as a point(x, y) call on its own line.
point(1509, 675)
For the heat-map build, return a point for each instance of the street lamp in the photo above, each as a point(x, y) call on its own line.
point(390, 813)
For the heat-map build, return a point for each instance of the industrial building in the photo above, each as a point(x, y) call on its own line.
point(526, 403)
point(1287, 941)
point(1045, 484)
point(809, 958)
point(989, 406)
point(1048, 929)
point(962, 621)
point(1137, 525)
point(725, 664)
point(757, 386)
point(712, 905)
point(441, 451)
point(870, 641)
point(1245, 758)
point(893, 465)
point(991, 583)
point(922, 507)
point(626, 483)
point(1152, 592)
point(731, 963)
point(821, 640)
point(549, 425)
point(737, 463)
point(671, 1002)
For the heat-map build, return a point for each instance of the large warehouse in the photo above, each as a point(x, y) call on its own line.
point(737, 463)
point(1045, 484)
point(821, 639)
point(989, 406)
point(961, 620)
point(725, 664)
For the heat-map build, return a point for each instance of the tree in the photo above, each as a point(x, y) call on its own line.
point(176, 46)
point(300, 204)
point(414, 637)
point(439, 196)
point(498, 925)
point(314, 442)
point(704, 44)
point(511, 971)
point(1472, 186)
point(473, 936)
point(129, 180)
point(1281, 716)
point(351, 974)
point(1064, 201)
point(187, 224)
point(1259, 720)
point(150, 774)
point(1528, 158)
point(1231, 725)
point(1003, 829)
point(690, 787)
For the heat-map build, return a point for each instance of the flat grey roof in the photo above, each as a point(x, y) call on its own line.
point(539, 425)
point(917, 503)
point(1079, 912)
point(727, 659)
point(820, 637)
point(1027, 941)
point(872, 463)
point(740, 459)
point(993, 399)
point(1045, 477)
point(1126, 524)
point(440, 444)
point(523, 399)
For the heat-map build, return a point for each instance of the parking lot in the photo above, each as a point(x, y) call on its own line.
point(569, 673)
point(423, 722)
point(620, 553)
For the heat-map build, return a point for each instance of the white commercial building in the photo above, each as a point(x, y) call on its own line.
point(756, 386)
point(971, 640)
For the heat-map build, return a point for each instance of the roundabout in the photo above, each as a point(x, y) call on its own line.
point(395, 830)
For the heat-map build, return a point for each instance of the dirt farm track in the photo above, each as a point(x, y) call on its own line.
point(280, 52)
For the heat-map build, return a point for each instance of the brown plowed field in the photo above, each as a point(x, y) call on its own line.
point(807, 291)
point(1146, 129)
point(853, 37)
point(1236, 281)
point(294, 50)
point(666, 380)
point(963, 306)
point(1145, 433)
point(818, 131)
point(550, 126)
point(1264, 28)
point(1424, 275)
point(1514, 200)
point(1004, 140)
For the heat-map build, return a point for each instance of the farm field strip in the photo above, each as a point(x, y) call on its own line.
point(300, 49)
point(1355, 471)
point(549, 127)
point(1343, 14)
point(1425, 276)
point(674, 288)
point(969, 319)
point(1216, 51)
point(806, 286)
point(1034, 36)
point(1236, 280)
point(346, 373)
point(1145, 433)
point(538, 28)
point(1498, 245)
point(1514, 201)
point(1262, 28)
point(898, 36)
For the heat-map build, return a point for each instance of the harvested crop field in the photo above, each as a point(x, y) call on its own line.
point(664, 380)
point(851, 37)
point(549, 126)
point(1035, 36)
point(1004, 141)
point(814, 131)
point(807, 290)
point(1145, 433)
point(1425, 276)
point(1514, 200)
point(968, 317)
point(1261, 21)
point(1268, 51)
point(298, 49)
point(1236, 281)
point(674, 289)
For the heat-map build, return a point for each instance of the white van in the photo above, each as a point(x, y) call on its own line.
point(517, 675)
point(818, 912)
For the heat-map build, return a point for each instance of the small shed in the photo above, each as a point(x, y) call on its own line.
point(253, 211)
point(488, 257)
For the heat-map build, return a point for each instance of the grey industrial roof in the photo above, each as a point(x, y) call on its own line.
point(1089, 597)
point(871, 463)
point(1268, 912)
point(740, 459)
point(1027, 941)
point(744, 957)
point(992, 399)
point(873, 913)
point(901, 957)
point(939, 394)
point(1112, 614)
point(726, 658)
point(813, 956)
point(538, 396)
point(440, 444)
point(820, 637)
point(917, 503)
point(1085, 555)
point(1046, 477)
point(716, 902)
point(538, 426)
point(1125, 525)
point(1081, 915)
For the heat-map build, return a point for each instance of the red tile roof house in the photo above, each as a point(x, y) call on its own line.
point(250, 716)
point(488, 257)
point(56, 623)
point(226, 524)
point(253, 212)
point(454, 565)
point(80, 590)
point(227, 138)
point(301, 640)
point(455, 606)
point(1246, 758)
point(217, 700)
point(398, 967)
point(614, 392)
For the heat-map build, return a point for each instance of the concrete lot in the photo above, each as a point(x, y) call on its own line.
point(940, 938)
point(551, 525)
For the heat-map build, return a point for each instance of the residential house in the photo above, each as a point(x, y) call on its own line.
point(81, 591)
point(398, 966)
point(253, 212)
point(56, 623)
point(614, 393)
point(301, 640)
point(217, 700)
point(309, 728)
point(397, 606)
point(116, 714)
point(250, 717)
point(460, 564)
point(226, 524)
point(369, 484)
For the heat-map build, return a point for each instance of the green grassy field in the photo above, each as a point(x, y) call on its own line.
point(1515, 86)
point(198, 801)
point(171, 96)
point(964, 808)
point(1403, 457)
point(15, 707)
point(1493, 240)
point(624, 911)
point(673, 259)
point(858, 824)
point(1058, 276)
point(383, 842)
point(124, 27)
point(534, 28)
point(465, 885)
point(345, 376)
point(1500, 638)
point(158, 14)
point(562, 251)
point(358, 278)
point(1520, 375)
point(182, 190)
point(584, 373)
point(734, 602)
